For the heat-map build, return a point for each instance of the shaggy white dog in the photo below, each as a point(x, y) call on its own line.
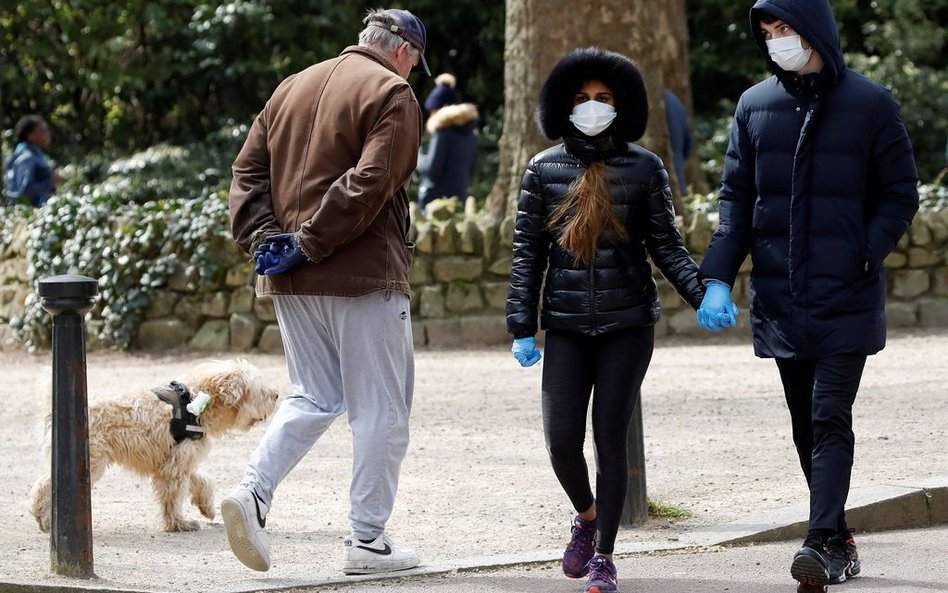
point(134, 431)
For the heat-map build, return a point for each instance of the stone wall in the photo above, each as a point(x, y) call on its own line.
point(459, 285)
point(14, 283)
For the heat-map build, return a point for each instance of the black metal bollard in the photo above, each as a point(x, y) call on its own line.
point(636, 501)
point(68, 299)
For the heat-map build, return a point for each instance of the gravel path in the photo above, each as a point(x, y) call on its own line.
point(476, 481)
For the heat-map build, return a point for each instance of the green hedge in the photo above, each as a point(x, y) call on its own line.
point(156, 213)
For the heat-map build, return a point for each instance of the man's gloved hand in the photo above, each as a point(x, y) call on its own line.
point(525, 351)
point(278, 254)
point(264, 257)
point(717, 310)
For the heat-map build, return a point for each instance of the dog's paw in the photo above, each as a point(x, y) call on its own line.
point(43, 523)
point(205, 504)
point(181, 525)
point(40, 509)
point(207, 511)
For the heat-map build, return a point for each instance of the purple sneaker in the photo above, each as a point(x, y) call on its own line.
point(581, 548)
point(602, 576)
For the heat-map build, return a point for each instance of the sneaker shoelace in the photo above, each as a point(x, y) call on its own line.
point(582, 538)
point(600, 570)
point(836, 551)
point(838, 547)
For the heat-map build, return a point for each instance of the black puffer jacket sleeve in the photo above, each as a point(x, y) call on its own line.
point(731, 241)
point(531, 249)
point(893, 191)
point(665, 245)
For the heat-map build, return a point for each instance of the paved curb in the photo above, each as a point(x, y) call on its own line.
point(901, 505)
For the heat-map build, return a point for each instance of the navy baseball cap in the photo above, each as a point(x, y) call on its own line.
point(408, 27)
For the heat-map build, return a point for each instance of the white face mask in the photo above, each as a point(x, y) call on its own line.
point(592, 117)
point(788, 52)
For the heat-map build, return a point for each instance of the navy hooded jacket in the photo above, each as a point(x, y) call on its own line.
point(679, 136)
point(447, 168)
point(819, 185)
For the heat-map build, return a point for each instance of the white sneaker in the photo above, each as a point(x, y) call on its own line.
point(245, 517)
point(379, 555)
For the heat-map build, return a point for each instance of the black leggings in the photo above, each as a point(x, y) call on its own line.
point(574, 364)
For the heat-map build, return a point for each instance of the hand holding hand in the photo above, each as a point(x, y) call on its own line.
point(717, 310)
point(525, 351)
point(278, 254)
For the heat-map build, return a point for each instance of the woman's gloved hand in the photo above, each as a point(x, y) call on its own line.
point(278, 254)
point(525, 351)
point(717, 310)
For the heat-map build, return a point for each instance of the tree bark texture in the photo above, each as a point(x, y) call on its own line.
point(539, 32)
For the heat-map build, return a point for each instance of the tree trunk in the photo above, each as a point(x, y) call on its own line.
point(539, 32)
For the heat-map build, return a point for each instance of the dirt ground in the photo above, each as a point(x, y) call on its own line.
point(477, 481)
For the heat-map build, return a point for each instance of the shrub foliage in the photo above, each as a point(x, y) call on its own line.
point(131, 234)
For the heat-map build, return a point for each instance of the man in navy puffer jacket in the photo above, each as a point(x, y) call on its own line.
point(819, 185)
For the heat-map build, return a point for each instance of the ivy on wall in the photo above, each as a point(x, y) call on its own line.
point(110, 231)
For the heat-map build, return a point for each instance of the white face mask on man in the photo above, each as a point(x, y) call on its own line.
point(592, 117)
point(788, 53)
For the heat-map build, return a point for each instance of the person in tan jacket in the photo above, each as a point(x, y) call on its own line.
point(319, 198)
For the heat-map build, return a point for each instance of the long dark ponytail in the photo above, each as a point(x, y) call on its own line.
point(587, 212)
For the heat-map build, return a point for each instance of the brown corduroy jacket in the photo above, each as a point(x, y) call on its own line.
point(329, 158)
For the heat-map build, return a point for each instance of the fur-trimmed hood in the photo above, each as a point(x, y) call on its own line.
point(614, 70)
point(451, 116)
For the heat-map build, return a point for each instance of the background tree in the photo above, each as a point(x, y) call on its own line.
point(899, 43)
point(540, 32)
point(121, 76)
point(114, 78)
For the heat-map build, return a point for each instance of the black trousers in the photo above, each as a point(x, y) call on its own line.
point(820, 394)
point(610, 368)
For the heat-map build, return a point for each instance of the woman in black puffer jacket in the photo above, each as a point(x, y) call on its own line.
point(591, 211)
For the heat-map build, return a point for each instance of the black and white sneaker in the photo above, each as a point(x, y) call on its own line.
point(843, 557)
point(810, 567)
point(378, 555)
point(245, 517)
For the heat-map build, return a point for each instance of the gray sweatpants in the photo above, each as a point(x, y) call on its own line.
point(343, 355)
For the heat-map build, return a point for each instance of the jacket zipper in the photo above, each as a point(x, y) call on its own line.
point(592, 293)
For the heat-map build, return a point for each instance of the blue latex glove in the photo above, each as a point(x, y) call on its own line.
point(278, 254)
point(526, 352)
point(717, 310)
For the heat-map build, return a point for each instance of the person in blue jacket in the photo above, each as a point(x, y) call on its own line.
point(447, 167)
point(679, 136)
point(29, 178)
point(819, 184)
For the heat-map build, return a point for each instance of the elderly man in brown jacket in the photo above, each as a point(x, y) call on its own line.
point(319, 198)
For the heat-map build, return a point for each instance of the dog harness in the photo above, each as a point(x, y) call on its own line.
point(184, 424)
